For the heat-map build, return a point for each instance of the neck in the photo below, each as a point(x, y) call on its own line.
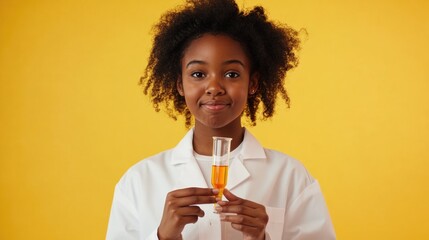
point(203, 137)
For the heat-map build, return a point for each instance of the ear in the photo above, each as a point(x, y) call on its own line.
point(179, 86)
point(253, 84)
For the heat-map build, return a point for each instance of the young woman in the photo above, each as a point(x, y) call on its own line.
point(215, 64)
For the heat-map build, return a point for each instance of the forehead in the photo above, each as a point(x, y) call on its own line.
point(215, 48)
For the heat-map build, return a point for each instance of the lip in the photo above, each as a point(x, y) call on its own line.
point(214, 105)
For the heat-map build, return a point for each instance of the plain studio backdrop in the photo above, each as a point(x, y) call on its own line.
point(73, 118)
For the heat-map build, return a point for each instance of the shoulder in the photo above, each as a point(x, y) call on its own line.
point(147, 168)
point(159, 166)
point(289, 165)
point(278, 162)
point(279, 157)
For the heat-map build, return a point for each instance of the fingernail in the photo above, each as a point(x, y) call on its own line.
point(222, 216)
point(215, 191)
point(221, 203)
point(219, 209)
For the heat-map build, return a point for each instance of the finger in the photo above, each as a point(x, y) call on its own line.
point(187, 201)
point(235, 200)
point(188, 219)
point(239, 210)
point(244, 221)
point(194, 191)
point(192, 200)
point(190, 211)
point(253, 231)
point(230, 196)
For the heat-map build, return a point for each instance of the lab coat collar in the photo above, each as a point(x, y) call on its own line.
point(184, 151)
point(252, 149)
point(191, 175)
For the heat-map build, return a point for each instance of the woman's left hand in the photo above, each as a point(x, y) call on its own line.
point(251, 218)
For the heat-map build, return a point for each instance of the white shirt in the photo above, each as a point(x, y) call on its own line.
point(292, 198)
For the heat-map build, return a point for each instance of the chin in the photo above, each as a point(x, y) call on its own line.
point(216, 123)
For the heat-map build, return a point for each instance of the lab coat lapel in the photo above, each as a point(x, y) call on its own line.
point(190, 175)
point(251, 150)
point(185, 165)
point(237, 173)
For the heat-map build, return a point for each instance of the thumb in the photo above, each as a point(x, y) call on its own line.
point(230, 196)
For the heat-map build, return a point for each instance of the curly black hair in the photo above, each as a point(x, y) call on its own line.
point(271, 47)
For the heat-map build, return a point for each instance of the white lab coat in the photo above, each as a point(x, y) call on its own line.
point(293, 200)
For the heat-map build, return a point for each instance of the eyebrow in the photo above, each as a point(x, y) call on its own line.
point(196, 62)
point(224, 63)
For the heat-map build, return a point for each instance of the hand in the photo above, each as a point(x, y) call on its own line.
point(179, 210)
point(251, 218)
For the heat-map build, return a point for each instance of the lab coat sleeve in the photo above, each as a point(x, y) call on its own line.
point(124, 220)
point(307, 217)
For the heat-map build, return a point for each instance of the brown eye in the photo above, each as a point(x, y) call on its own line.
point(197, 74)
point(232, 75)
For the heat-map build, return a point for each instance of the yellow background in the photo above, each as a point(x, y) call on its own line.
point(73, 118)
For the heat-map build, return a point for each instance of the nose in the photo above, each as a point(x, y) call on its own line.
point(214, 87)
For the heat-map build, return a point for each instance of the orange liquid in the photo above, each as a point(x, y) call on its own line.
point(219, 178)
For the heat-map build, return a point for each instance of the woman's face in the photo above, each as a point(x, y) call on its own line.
point(216, 80)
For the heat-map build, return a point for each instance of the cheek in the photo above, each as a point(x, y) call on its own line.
point(193, 92)
point(240, 96)
point(190, 90)
point(192, 96)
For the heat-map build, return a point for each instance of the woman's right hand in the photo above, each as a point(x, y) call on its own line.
point(180, 209)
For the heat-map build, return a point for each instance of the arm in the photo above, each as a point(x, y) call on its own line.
point(124, 219)
point(307, 217)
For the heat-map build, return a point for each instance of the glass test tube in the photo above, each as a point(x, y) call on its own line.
point(221, 151)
